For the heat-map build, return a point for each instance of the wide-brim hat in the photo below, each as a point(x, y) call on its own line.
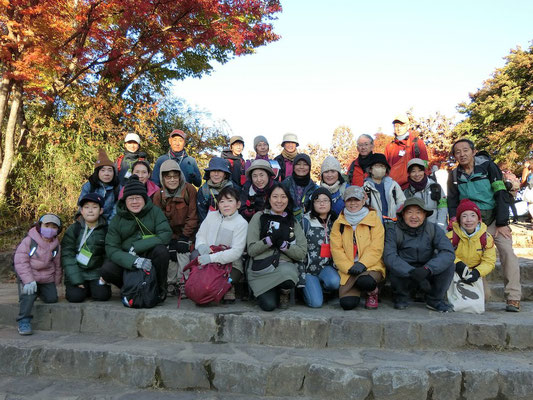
point(259, 164)
point(378, 158)
point(415, 201)
point(290, 137)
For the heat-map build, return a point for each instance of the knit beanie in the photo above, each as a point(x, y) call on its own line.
point(330, 164)
point(259, 139)
point(103, 160)
point(468, 205)
point(135, 187)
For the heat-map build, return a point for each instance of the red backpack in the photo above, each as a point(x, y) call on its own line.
point(209, 282)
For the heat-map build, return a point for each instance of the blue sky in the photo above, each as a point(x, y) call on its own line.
point(358, 63)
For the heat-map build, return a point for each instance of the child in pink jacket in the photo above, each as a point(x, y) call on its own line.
point(38, 267)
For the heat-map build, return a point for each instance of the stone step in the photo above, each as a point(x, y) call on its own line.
point(526, 271)
point(300, 326)
point(361, 373)
point(60, 388)
point(496, 291)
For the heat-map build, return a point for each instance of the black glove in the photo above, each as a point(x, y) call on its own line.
point(461, 268)
point(278, 237)
point(172, 253)
point(183, 245)
point(419, 274)
point(472, 276)
point(357, 268)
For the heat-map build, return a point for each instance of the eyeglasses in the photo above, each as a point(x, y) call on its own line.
point(172, 177)
point(133, 199)
point(364, 145)
point(321, 201)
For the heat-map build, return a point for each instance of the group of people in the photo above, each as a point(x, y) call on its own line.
point(282, 233)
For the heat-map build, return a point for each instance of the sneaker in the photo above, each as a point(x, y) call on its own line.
point(229, 297)
point(371, 302)
point(284, 298)
point(25, 327)
point(439, 306)
point(512, 306)
point(181, 289)
point(401, 304)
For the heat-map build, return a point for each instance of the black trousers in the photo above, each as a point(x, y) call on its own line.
point(268, 301)
point(401, 287)
point(112, 273)
point(92, 288)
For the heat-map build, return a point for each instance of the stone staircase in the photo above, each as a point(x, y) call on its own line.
point(239, 351)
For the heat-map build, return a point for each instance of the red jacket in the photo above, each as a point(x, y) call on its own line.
point(356, 175)
point(392, 150)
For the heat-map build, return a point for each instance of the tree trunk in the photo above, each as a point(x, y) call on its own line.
point(9, 150)
point(5, 89)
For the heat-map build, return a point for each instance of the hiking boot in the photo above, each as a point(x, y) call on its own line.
point(229, 297)
point(512, 306)
point(371, 302)
point(439, 306)
point(172, 290)
point(284, 298)
point(25, 327)
point(181, 290)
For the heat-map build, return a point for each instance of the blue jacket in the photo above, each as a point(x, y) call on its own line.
point(207, 199)
point(188, 167)
point(108, 192)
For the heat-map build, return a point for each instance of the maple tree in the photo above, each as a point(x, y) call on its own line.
point(499, 116)
point(95, 68)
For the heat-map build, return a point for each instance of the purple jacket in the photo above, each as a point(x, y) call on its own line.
point(40, 267)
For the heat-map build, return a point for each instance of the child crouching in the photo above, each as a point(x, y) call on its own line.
point(38, 267)
point(83, 252)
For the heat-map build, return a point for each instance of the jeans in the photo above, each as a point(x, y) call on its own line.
point(328, 277)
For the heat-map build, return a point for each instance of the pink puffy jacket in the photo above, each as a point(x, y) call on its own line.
point(40, 267)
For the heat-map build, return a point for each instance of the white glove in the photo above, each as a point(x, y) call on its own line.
point(204, 259)
point(132, 251)
point(143, 263)
point(30, 288)
point(203, 249)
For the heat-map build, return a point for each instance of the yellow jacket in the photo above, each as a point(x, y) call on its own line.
point(370, 238)
point(470, 252)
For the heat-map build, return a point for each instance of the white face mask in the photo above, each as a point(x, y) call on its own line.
point(378, 172)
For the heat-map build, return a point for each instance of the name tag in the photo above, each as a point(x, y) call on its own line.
point(84, 256)
point(401, 153)
point(128, 174)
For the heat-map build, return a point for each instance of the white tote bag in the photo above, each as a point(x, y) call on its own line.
point(466, 297)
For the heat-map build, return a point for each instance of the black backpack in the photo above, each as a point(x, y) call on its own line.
point(139, 289)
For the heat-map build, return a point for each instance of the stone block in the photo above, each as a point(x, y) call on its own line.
point(445, 383)
point(8, 314)
point(443, 334)
point(516, 384)
point(65, 317)
point(401, 334)
point(324, 382)
point(71, 363)
point(184, 326)
point(286, 378)
point(399, 383)
point(131, 369)
point(520, 335)
point(183, 374)
point(290, 331)
point(22, 361)
point(110, 321)
point(240, 328)
point(480, 384)
point(493, 335)
point(239, 376)
point(42, 317)
point(345, 332)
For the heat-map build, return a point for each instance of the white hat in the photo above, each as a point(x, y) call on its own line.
point(290, 137)
point(132, 137)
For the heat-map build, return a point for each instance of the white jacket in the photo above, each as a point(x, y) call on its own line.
point(395, 196)
point(230, 231)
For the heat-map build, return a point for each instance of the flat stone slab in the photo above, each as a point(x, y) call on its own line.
point(355, 373)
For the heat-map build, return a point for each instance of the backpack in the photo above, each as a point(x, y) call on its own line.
point(139, 289)
point(482, 239)
point(209, 282)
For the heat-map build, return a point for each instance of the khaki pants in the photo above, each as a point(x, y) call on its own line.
point(175, 268)
point(509, 261)
point(349, 288)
